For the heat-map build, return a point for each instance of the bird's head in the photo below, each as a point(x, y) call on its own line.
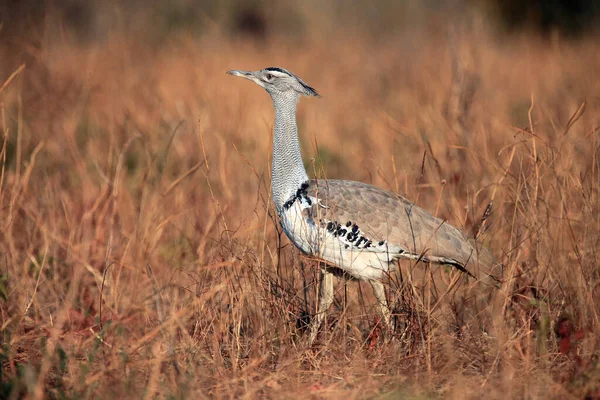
point(277, 81)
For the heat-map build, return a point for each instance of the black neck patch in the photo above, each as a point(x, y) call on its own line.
point(301, 194)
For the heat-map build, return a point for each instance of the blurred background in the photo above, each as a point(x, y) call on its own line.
point(139, 249)
point(94, 21)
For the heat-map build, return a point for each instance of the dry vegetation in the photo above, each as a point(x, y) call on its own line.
point(133, 266)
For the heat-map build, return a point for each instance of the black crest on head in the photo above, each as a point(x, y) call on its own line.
point(278, 70)
point(309, 90)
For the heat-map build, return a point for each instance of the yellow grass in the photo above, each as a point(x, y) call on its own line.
point(140, 255)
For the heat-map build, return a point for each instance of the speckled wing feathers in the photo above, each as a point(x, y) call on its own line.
point(386, 217)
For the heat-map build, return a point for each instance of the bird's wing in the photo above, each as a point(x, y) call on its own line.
point(373, 219)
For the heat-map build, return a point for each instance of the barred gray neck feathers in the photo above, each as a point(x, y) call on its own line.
point(287, 168)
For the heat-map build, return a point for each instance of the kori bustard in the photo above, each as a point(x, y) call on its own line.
point(359, 228)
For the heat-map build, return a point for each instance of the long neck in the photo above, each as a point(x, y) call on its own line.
point(287, 168)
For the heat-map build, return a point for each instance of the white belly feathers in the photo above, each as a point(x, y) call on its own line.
point(341, 245)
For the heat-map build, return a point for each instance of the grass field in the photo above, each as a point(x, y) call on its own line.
point(140, 255)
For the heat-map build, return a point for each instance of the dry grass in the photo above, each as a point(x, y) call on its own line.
point(133, 266)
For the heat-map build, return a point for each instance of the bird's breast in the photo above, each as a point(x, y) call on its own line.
point(299, 227)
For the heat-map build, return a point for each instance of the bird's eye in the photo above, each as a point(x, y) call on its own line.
point(269, 77)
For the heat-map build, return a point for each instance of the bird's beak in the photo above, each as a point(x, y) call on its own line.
point(243, 74)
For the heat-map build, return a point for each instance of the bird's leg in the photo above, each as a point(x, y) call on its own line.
point(325, 301)
point(379, 292)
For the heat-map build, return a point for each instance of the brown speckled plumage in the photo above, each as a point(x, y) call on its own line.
point(386, 216)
